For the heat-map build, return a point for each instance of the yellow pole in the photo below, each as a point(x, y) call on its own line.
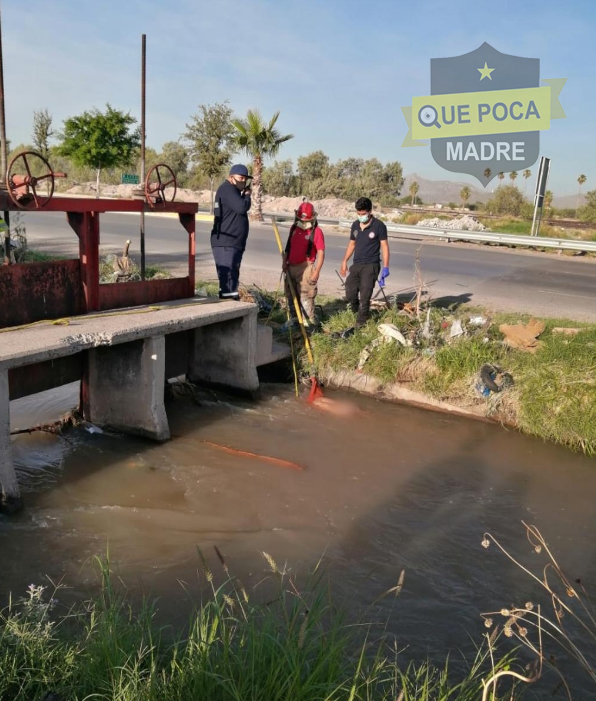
point(294, 298)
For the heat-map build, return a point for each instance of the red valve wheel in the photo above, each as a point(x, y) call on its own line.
point(158, 179)
point(26, 172)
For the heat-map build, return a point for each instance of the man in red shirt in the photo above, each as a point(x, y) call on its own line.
point(303, 259)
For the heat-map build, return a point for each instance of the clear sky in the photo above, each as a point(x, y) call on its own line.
point(339, 70)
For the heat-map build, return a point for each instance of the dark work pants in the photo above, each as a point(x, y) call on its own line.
point(359, 288)
point(227, 261)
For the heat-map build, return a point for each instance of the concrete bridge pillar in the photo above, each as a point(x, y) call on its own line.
point(224, 353)
point(10, 494)
point(125, 388)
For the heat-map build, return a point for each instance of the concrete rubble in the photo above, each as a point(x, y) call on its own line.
point(465, 223)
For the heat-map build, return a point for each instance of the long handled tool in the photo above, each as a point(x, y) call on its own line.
point(385, 296)
point(315, 389)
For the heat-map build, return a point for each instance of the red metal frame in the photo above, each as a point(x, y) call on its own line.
point(90, 204)
point(83, 215)
point(80, 279)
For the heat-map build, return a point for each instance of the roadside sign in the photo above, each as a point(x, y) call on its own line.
point(130, 179)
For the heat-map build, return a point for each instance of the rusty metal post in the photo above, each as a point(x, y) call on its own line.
point(188, 221)
point(86, 227)
point(3, 151)
point(143, 84)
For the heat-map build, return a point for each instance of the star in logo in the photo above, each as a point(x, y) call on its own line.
point(485, 72)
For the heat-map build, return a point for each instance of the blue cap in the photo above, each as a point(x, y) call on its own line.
point(240, 169)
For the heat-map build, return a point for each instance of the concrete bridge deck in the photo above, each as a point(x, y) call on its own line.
point(45, 340)
point(124, 358)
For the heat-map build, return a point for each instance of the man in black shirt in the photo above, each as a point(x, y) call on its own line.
point(368, 240)
point(230, 229)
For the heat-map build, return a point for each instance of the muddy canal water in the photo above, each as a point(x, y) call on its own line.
point(391, 489)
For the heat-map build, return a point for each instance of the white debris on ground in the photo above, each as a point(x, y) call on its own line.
point(329, 207)
point(465, 223)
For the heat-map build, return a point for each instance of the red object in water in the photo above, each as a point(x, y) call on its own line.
point(316, 391)
point(257, 456)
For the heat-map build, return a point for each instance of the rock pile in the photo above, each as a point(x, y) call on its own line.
point(465, 223)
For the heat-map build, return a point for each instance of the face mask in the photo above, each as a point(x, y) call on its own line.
point(304, 224)
point(364, 218)
point(241, 184)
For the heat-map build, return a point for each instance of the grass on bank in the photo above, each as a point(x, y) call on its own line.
point(298, 648)
point(554, 396)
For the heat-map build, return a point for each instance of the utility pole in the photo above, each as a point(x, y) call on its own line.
point(143, 85)
point(3, 152)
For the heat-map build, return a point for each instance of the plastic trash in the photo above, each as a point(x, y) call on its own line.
point(391, 331)
point(456, 329)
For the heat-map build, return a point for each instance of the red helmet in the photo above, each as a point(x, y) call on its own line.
point(306, 212)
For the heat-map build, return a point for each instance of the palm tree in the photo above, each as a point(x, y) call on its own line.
point(464, 194)
point(487, 173)
point(414, 187)
point(513, 175)
point(259, 140)
point(501, 176)
point(581, 180)
point(527, 172)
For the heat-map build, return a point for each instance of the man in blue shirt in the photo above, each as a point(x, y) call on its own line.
point(230, 229)
point(368, 241)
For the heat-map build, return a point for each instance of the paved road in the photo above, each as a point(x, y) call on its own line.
point(546, 284)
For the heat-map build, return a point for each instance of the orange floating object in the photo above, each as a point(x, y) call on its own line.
point(246, 454)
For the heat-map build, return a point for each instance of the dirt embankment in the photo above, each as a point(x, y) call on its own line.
point(331, 207)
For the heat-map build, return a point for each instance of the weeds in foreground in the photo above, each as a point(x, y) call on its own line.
point(296, 648)
point(565, 623)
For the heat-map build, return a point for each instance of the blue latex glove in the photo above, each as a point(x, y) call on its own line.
point(384, 274)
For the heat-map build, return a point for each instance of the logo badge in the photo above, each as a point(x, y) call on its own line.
point(484, 113)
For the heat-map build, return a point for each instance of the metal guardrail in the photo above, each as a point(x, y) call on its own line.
point(423, 232)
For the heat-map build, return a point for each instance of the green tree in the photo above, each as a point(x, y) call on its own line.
point(487, 173)
point(548, 203)
point(177, 157)
point(464, 194)
point(527, 173)
point(19, 148)
point(279, 180)
point(588, 211)
point(513, 176)
point(413, 190)
point(507, 199)
point(100, 140)
point(42, 131)
point(259, 140)
point(210, 135)
point(313, 166)
point(393, 181)
point(580, 181)
point(152, 158)
point(501, 176)
point(314, 175)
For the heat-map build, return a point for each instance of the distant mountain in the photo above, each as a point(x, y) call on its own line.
point(568, 201)
point(444, 191)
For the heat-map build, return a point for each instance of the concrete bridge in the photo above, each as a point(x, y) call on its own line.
point(125, 358)
point(121, 341)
